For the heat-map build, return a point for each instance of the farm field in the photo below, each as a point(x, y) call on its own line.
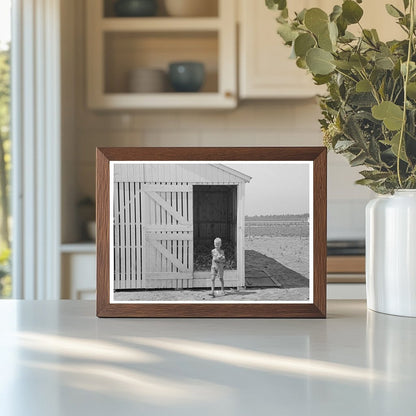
point(287, 242)
point(292, 252)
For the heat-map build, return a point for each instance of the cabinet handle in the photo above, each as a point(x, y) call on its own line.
point(229, 94)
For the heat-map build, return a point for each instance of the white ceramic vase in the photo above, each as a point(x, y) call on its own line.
point(391, 253)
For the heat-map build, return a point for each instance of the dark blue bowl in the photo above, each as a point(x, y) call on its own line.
point(186, 76)
point(135, 8)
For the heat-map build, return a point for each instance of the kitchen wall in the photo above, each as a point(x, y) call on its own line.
point(253, 123)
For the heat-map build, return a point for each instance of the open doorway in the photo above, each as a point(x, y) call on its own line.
point(215, 215)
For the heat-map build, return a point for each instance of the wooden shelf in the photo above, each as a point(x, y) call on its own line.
point(160, 24)
point(346, 264)
point(196, 100)
point(84, 247)
point(346, 269)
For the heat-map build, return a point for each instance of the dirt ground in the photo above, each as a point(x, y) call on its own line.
point(292, 252)
point(231, 295)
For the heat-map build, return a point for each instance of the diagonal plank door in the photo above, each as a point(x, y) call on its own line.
point(167, 225)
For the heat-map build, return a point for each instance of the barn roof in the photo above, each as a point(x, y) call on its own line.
point(233, 172)
point(193, 173)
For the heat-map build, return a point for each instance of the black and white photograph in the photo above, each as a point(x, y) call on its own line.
point(211, 232)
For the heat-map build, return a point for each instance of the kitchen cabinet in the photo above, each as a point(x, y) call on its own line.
point(118, 45)
point(78, 263)
point(265, 70)
point(264, 65)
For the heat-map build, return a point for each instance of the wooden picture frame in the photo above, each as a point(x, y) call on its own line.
point(110, 162)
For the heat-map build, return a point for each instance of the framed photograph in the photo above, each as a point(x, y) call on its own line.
point(211, 232)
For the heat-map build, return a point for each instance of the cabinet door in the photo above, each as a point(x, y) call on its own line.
point(78, 276)
point(376, 17)
point(265, 68)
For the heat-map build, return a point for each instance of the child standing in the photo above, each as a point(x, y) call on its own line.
point(217, 267)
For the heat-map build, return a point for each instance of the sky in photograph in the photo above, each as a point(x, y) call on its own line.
point(275, 188)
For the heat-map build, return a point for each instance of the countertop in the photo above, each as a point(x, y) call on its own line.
point(57, 358)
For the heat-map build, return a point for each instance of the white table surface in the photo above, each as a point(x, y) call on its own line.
point(57, 358)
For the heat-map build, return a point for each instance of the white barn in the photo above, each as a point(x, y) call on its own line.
point(164, 212)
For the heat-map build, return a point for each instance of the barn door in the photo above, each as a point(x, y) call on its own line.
point(127, 236)
point(167, 226)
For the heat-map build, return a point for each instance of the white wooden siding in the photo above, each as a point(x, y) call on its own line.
point(159, 173)
point(127, 236)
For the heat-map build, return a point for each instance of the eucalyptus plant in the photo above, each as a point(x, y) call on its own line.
point(369, 111)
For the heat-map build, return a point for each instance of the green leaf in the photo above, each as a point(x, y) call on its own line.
point(343, 145)
point(384, 62)
point(316, 20)
point(303, 43)
point(368, 36)
point(281, 19)
point(325, 42)
point(382, 89)
point(301, 15)
point(347, 37)
point(374, 174)
point(412, 67)
point(321, 79)
point(362, 99)
point(406, 4)
point(358, 160)
point(393, 11)
point(353, 131)
point(351, 11)
point(375, 35)
point(319, 61)
point(333, 32)
point(276, 4)
point(396, 70)
point(405, 21)
point(342, 25)
point(358, 61)
point(336, 12)
point(287, 33)
point(374, 150)
point(363, 86)
point(411, 90)
point(365, 182)
point(345, 65)
point(301, 63)
point(388, 112)
point(394, 145)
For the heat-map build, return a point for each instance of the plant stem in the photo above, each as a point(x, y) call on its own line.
point(406, 80)
point(373, 88)
point(346, 75)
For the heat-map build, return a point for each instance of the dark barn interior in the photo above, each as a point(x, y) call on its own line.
point(215, 215)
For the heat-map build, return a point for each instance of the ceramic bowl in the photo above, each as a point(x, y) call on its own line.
point(186, 76)
point(147, 80)
point(135, 8)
